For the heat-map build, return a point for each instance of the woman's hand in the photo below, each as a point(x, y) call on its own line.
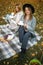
point(25, 27)
point(17, 22)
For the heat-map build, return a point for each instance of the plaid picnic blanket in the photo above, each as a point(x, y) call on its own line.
point(6, 51)
point(10, 48)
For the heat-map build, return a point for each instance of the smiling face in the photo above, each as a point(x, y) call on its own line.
point(28, 11)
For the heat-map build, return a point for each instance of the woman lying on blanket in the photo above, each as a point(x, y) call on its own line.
point(13, 19)
point(18, 13)
point(26, 31)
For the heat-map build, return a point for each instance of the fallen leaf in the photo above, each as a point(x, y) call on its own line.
point(33, 54)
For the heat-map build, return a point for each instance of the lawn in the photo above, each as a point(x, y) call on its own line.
point(37, 50)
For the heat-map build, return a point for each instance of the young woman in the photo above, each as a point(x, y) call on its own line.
point(18, 12)
point(16, 18)
point(27, 30)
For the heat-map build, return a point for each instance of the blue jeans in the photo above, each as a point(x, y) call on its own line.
point(24, 37)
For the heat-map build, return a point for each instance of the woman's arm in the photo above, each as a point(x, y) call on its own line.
point(32, 26)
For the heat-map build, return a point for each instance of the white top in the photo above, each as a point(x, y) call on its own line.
point(12, 19)
point(15, 17)
point(18, 16)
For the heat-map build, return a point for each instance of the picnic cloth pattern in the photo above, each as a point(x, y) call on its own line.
point(10, 48)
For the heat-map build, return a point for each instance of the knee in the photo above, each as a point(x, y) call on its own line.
point(28, 34)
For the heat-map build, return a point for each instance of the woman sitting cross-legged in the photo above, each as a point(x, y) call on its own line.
point(26, 31)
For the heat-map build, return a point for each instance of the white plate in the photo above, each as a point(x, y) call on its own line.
point(21, 23)
point(10, 37)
